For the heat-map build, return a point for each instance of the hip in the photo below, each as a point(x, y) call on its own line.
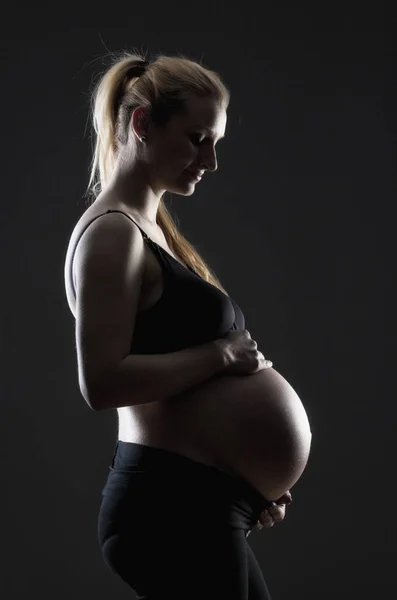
point(145, 484)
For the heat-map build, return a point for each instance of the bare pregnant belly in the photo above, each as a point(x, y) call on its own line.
point(253, 426)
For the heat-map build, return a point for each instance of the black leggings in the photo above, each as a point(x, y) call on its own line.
point(175, 529)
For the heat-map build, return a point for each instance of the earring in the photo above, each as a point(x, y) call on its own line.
point(142, 139)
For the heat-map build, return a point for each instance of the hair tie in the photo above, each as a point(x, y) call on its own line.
point(138, 70)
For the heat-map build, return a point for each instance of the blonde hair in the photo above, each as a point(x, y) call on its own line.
point(163, 87)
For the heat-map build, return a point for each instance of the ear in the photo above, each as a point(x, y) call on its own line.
point(140, 121)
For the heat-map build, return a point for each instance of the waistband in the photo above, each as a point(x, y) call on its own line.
point(132, 457)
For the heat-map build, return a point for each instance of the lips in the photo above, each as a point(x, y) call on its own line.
point(195, 175)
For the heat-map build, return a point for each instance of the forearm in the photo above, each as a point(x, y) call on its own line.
point(144, 378)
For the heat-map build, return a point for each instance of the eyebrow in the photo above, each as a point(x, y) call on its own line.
point(208, 131)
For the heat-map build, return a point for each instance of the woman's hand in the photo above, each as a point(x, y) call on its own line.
point(275, 513)
point(241, 354)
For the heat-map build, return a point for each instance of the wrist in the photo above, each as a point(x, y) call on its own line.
point(222, 353)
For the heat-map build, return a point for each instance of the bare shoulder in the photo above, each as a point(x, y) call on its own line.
point(95, 235)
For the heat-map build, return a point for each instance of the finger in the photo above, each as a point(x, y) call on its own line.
point(267, 524)
point(266, 519)
point(272, 511)
point(278, 513)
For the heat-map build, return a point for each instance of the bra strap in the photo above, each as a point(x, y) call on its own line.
point(145, 235)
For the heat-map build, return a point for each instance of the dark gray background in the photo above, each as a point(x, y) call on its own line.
point(298, 223)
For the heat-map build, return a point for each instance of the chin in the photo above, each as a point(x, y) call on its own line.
point(182, 190)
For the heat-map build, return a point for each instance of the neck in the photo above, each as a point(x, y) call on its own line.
point(131, 186)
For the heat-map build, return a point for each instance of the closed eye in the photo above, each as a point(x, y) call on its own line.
point(196, 138)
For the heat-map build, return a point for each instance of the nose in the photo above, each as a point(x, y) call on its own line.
point(209, 160)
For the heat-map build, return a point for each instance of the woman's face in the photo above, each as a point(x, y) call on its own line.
point(181, 151)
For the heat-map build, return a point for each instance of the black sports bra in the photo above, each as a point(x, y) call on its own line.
point(189, 312)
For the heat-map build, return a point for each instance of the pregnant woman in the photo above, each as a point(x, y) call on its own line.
point(210, 435)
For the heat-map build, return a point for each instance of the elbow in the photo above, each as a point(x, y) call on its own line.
point(90, 399)
point(96, 389)
point(100, 396)
point(90, 394)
